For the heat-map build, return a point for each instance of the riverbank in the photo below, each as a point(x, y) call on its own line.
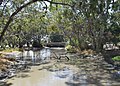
point(7, 57)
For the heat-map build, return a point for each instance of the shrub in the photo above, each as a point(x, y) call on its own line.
point(70, 48)
point(37, 44)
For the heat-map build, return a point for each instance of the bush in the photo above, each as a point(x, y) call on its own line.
point(37, 44)
point(116, 58)
point(70, 48)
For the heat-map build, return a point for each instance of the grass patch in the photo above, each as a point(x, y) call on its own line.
point(70, 49)
point(116, 58)
point(11, 49)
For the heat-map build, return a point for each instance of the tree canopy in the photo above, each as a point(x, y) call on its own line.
point(82, 22)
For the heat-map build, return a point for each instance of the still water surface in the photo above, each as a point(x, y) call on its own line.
point(38, 77)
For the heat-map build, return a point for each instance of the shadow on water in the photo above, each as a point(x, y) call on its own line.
point(6, 84)
point(84, 80)
point(50, 68)
point(22, 75)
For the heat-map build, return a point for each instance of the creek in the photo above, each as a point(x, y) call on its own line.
point(38, 76)
point(61, 72)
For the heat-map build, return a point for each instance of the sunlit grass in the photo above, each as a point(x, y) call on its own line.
point(11, 49)
point(116, 58)
point(70, 48)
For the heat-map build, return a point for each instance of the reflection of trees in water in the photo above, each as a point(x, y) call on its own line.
point(45, 53)
point(36, 56)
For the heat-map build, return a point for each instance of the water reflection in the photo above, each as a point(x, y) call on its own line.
point(45, 53)
point(38, 77)
point(36, 56)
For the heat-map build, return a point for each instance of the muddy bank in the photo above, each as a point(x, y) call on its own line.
point(4, 62)
point(7, 59)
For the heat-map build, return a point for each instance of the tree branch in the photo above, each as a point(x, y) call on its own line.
point(1, 2)
point(11, 17)
point(58, 3)
point(19, 9)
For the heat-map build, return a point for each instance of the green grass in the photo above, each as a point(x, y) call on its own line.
point(11, 49)
point(70, 48)
point(116, 58)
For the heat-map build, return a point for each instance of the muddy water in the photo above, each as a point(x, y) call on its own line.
point(58, 73)
point(37, 77)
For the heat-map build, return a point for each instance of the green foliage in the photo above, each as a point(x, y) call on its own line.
point(37, 44)
point(56, 38)
point(116, 58)
point(11, 49)
point(85, 21)
point(27, 24)
point(70, 48)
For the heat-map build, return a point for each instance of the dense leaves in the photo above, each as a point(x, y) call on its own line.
point(84, 23)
